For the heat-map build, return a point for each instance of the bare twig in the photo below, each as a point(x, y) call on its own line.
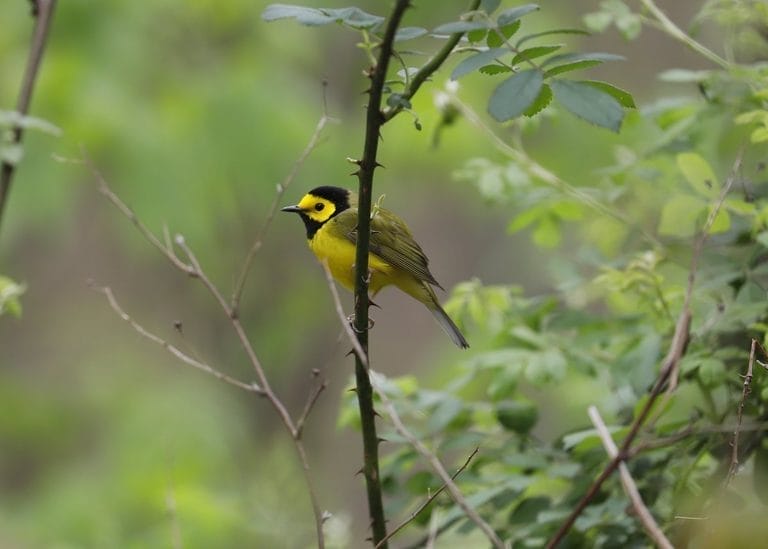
point(237, 293)
point(426, 502)
point(309, 405)
point(439, 469)
point(42, 11)
point(669, 367)
point(734, 467)
point(175, 351)
point(342, 317)
point(193, 268)
point(647, 520)
point(127, 211)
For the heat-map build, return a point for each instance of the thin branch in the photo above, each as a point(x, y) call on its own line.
point(734, 467)
point(127, 211)
point(175, 351)
point(669, 27)
point(237, 293)
point(434, 63)
point(309, 405)
point(647, 520)
point(42, 11)
point(669, 367)
point(194, 269)
point(356, 347)
point(438, 468)
point(429, 500)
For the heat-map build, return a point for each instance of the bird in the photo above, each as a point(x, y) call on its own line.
point(330, 216)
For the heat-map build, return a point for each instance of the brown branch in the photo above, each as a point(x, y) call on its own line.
point(175, 351)
point(429, 500)
point(42, 11)
point(193, 268)
point(669, 366)
point(647, 520)
point(237, 293)
point(734, 467)
point(310, 404)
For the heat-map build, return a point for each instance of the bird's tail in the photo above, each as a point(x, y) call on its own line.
point(448, 326)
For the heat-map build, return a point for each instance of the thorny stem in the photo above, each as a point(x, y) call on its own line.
point(367, 166)
point(42, 11)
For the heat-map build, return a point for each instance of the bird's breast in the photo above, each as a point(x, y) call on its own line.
point(339, 253)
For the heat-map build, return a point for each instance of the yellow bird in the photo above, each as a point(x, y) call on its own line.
point(330, 216)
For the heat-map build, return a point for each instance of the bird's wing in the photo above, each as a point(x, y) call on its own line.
point(392, 241)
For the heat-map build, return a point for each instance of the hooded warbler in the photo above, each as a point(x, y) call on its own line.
point(330, 216)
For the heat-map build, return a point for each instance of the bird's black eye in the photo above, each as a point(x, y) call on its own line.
point(319, 206)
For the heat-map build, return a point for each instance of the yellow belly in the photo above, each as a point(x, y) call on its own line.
point(339, 253)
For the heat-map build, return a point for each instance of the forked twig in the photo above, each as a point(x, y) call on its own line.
point(258, 241)
point(172, 349)
point(427, 501)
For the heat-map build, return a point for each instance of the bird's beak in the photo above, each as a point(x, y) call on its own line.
point(294, 209)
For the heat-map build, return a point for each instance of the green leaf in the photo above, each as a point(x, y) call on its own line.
point(698, 173)
point(513, 14)
point(684, 76)
point(547, 233)
point(11, 153)
point(409, 33)
point(624, 98)
point(598, 21)
point(461, 26)
point(589, 103)
point(489, 6)
point(494, 40)
point(10, 292)
point(304, 15)
point(680, 214)
point(535, 35)
point(540, 103)
point(513, 96)
point(534, 52)
point(352, 17)
point(518, 416)
point(476, 61)
point(494, 69)
point(722, 221)
point(567, 62)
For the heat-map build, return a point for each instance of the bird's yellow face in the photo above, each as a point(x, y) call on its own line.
point(319, 205)
point(316, 208)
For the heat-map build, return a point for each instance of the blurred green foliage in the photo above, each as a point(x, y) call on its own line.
point(195, 110)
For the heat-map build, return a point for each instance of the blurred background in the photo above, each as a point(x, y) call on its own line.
point(194, 111)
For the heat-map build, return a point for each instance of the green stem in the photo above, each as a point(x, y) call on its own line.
point(431, 66)
point(668, 26)
point(368, 163)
